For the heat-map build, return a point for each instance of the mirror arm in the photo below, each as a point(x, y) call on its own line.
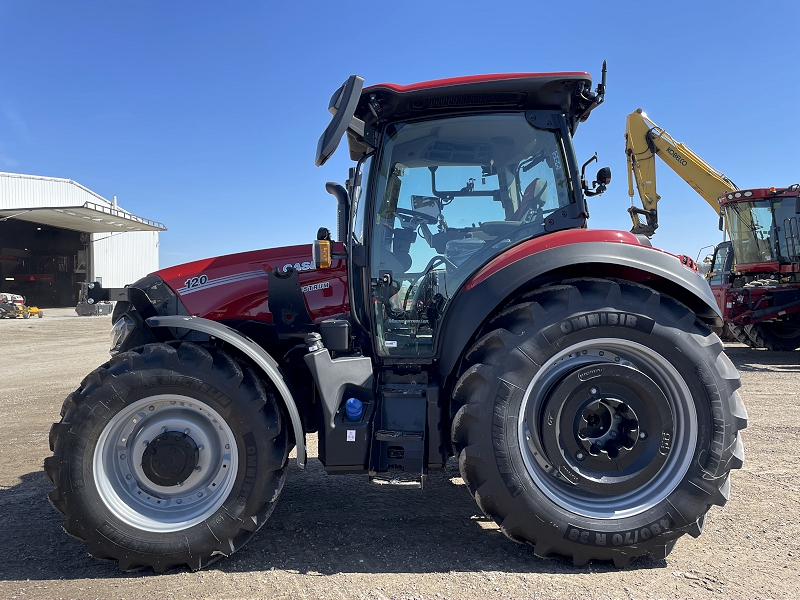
point(584, 185)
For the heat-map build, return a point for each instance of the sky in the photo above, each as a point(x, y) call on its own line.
point(205, 115)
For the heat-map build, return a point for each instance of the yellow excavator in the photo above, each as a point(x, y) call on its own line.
point(643, 141)
point(755, 277)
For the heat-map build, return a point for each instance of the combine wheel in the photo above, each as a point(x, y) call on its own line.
point(775, 335)
point(598, 420)
point(169, 454)
point(740, 335)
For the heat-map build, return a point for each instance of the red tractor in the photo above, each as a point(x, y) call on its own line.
point(464, 310)
point(755, 276)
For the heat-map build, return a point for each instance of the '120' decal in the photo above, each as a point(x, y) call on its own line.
point(194, 282)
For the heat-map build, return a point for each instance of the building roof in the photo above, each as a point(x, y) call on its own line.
point(66, 204)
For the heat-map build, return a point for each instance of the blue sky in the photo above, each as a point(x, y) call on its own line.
point(206, 115)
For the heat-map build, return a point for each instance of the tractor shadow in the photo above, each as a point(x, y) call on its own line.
point(322, 525)
point(763, 361)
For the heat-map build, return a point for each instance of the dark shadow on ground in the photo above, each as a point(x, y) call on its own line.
point(322, 525)
point(759, 360)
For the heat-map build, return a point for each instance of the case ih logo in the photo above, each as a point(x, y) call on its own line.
point(299, 266)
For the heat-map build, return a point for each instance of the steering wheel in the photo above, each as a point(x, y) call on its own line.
point(410, 215)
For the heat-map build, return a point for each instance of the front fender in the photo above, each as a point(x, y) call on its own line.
point(256, 353)
point(508, 274)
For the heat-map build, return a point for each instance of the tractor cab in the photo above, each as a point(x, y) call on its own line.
point(449, 175)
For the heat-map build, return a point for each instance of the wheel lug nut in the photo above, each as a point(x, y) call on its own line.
point(580, 456)
point(201, 447)
point(613, 434)
point(593, 391)
point(198, 468)
point(642, 435)
point(164, 430)
point(186, 431)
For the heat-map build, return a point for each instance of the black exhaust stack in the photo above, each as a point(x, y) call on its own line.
point(340, 194)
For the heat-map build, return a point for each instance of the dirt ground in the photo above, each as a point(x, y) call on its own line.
point(336, 537)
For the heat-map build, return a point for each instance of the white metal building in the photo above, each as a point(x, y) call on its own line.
point(55, 234)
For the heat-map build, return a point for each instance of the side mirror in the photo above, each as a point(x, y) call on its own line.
point(601, 181)
point(797, 206)
point(721, 222)
point(342, 106)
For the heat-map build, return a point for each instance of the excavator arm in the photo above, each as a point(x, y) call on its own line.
point(643, 140)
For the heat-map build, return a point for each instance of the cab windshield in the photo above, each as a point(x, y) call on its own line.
point(764, 230)
point(751, 231)
point(449, 195)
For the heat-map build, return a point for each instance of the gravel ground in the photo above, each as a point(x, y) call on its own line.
point(335, 537)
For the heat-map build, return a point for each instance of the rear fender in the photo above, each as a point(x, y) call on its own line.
point(502, 279)
point(256, 353)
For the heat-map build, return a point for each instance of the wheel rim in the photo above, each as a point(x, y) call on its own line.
point(165, 463)
point(607, 428)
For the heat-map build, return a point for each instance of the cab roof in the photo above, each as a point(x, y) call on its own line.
point(759, 194)
point(521, 91)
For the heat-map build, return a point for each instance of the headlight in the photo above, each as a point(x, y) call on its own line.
point(120, 332)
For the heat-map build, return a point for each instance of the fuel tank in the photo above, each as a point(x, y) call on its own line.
point(235, 286)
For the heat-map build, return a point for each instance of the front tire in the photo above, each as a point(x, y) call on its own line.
point(169, 454)
point(598, 420)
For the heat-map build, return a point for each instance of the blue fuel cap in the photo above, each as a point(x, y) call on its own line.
point(354, 409)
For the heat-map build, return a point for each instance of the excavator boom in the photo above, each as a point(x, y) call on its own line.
point(643, 141)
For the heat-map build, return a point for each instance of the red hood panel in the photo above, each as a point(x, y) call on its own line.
point(235, 286)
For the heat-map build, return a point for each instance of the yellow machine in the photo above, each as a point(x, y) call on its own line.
point(13, 306)
point(643, 140)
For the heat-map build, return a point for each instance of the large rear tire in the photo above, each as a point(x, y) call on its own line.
point(598, 420)
point(781, 336)
point(169, 454)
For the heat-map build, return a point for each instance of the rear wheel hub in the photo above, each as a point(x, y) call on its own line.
point(170, 458)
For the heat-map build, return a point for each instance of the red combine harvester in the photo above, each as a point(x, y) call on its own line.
point(463, 310)
point(755, 276)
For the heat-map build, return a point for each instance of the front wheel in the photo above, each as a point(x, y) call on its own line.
point(169, 454)
point(598, 420)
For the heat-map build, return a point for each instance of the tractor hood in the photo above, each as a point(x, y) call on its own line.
point(235, 286)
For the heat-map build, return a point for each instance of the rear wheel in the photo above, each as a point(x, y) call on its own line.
point(169, 454)
point(775, 335)
point(598, 420)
